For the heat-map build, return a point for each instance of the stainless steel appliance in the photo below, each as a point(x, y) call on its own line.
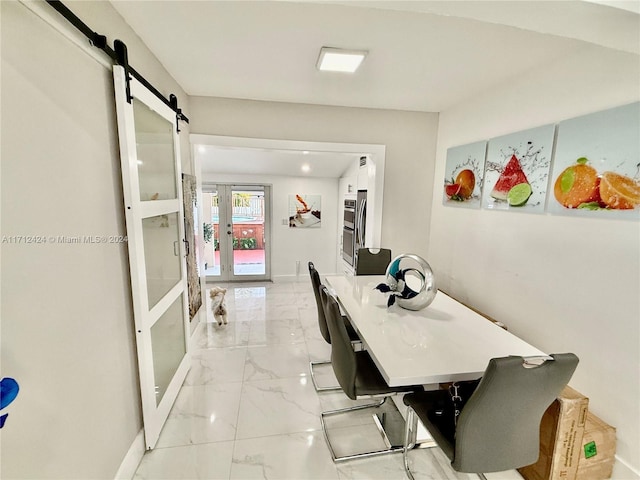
point(361, 224)
point(361, 219)
point(350, 214)
point(348, 231)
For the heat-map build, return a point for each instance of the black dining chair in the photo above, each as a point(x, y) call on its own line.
point(359, 377)
point(324, 330)
point(372, 261)
point(498, 427)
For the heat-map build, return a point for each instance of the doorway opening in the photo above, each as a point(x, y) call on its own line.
point(258, 160)
point(236, 230)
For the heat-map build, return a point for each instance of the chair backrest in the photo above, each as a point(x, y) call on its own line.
point(372, 262)
point(315, 283)
point(498, 428)
point(343, 357)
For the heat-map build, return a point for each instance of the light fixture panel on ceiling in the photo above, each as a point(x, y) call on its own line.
point(340, 60)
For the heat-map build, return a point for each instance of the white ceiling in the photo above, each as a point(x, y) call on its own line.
point(423, 55)
point(258, 161)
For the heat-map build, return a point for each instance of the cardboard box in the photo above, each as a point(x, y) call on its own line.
point(597, 454)
point(561, 432)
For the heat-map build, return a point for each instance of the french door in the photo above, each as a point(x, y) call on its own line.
point(237, 232)
point(151, 179)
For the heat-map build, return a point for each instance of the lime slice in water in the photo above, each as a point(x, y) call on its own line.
point(519, 194)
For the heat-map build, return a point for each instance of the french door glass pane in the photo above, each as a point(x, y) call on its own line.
point(161, 254)
point(154, 149)
point(168, 345)
point(211, 214)
point(248, 209)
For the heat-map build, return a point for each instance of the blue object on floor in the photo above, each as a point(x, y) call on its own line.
point(8, 392)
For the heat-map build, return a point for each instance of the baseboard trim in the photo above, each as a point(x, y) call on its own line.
point(287, 278)
point(132, 459)
point(623, 471)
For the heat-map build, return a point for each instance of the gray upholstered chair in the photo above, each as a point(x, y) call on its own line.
point(358, 376)
point(373, 261)
point(324, 330)
point(498, 427)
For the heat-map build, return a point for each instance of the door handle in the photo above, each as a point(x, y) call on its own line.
point(186, 244)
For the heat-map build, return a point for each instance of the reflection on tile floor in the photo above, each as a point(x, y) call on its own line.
point(248, 409)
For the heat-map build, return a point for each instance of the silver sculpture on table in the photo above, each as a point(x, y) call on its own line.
point(400, 272)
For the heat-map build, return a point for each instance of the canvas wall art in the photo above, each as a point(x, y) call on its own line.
point(596, 167)
point(464, 175)
point(517, 170)
point(189, 197)
point(304, 211)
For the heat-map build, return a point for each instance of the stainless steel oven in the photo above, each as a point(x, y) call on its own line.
point(348, 231)
point(350, 214)
point(348, 245)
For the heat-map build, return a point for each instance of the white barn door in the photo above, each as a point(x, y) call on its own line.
point(151, 179)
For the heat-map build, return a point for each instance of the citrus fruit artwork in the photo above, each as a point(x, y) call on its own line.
point(464, 174)
point(577, 184)
point(580, 186)
point(519, 194)
point(462, 187)
point(596, 165)
point(619, 191)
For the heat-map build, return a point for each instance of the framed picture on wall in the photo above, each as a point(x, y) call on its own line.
point(305, 211)
point(517, 170)
point(464, 174)
point(596, 169)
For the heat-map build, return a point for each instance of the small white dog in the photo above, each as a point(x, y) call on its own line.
point(218, 306)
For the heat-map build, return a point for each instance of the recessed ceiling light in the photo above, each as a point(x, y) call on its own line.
point(340, 60)
point(305, 167)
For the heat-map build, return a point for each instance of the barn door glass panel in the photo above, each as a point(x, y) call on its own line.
point(162, 255)
point(155, 161)
point(167, 338)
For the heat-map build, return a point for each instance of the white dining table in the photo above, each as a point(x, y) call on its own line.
point(444, 342)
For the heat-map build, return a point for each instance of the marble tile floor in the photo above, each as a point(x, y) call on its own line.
point(248, 408)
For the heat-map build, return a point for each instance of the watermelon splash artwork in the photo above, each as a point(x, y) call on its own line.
point(517, 170)
point(511, 176)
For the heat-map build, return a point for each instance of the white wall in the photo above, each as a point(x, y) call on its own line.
point(289, 245)
point(410, 146)
point(104, 19)
point(67, 322)
point(563, 284)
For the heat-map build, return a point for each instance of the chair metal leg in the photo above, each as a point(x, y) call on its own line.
point(410, 433)
point(482, 477)
point(411, 440)
point(390, 448)
point(315, 384)
point(356, 345)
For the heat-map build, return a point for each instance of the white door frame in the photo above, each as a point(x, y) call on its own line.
point(226, 253)
point(154, 413)
point(376, 153)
